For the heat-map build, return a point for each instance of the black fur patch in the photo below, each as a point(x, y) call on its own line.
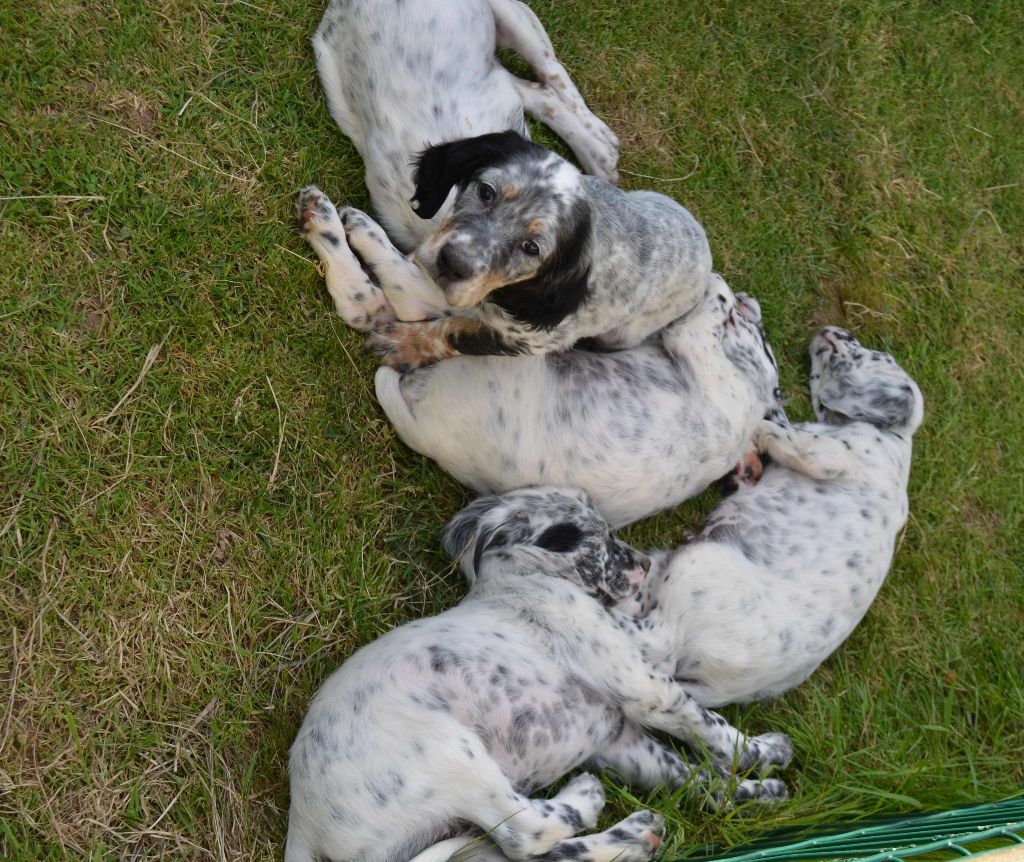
point(440, 167)
point(561, 286)
point(483, 342)
point(560, 538)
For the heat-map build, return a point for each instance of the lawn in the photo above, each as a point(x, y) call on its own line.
point(203, 511)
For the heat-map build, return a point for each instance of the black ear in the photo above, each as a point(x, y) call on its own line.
point(437, 169)
point(560, 287)
point(462, 529)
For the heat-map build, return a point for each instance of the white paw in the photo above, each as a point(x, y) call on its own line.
point(357, 299)
point(585, 793)
point(770, 750)
point(639, 836)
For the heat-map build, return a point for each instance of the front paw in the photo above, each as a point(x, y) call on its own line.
point(766, 752)
point(405, 346)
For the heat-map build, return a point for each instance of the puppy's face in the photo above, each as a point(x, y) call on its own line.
point(551, 531)
point(851, 383)
point(518, 232)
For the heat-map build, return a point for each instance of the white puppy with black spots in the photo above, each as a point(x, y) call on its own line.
point(401, 76)
point(784, 570)
point(454, 721)
point(639, 430)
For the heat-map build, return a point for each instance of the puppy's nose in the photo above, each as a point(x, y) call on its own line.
point(645, 564)
point(451, 266)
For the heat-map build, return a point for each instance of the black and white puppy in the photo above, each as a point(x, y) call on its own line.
point(454, 720)
point(639, 430)
point(533, 257)
point(785, 570)
point(399, 77)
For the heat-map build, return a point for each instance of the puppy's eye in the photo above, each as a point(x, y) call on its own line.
point(531, 248)
point(487, 192)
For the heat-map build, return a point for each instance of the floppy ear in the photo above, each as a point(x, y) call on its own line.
point(560, 287)
point(438, 168)
point(885, 402)
point(460, 532)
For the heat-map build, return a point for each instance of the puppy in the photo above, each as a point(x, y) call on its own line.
point(532, 258)
point(639, 430)
point(400, 77)
point(785, 570)
point(457, 719)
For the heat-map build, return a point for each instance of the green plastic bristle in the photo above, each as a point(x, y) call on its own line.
point(945, 834)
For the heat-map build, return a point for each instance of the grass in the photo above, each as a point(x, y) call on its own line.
point(188, 552)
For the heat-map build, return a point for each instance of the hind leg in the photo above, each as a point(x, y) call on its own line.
point(644, 763)
point(357, 299)
point(524, 828)
point(542, 103)
point(519, 29)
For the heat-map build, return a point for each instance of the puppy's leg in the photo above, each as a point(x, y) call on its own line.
point(542, 103)
point(525, 828)
point(635, 839)
point(405, 346)
point(814, 455)
point(644, 763)
point(412, 295)
point(356, 298)
point(519, 28)
point(651, 698)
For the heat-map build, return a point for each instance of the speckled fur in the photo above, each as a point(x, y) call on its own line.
point(606, 265)
point(400, 76)
point(639, 430)
point(454, 719)
point(785, 570)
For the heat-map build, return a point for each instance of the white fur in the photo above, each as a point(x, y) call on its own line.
point(785, 570)
point(455, 718)
point(638, 430)
point(400, 77)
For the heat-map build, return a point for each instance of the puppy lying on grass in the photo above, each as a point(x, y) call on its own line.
point(454, 720)
point(785, 570)
point(639, 430)
point(532, 258)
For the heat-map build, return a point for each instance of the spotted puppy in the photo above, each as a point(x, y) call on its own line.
point(400, 76)
point(785, 570)
point(455, 720)
point(639, 430)
point(532, 257)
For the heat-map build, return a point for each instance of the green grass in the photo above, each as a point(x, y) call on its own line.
point(181, 572)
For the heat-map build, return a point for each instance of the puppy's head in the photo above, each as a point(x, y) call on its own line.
point(518, 234)
point(550, 531)
point(850, 383)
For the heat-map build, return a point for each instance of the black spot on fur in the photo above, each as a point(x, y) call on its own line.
point(561, 285)
point(560, 538)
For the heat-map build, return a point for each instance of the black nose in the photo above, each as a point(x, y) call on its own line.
point(645, 564)
point(450, 266)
